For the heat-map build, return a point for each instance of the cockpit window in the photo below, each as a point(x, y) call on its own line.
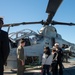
point(13, 44)
point(27, 42)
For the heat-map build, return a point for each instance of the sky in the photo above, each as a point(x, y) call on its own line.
point(16, 11)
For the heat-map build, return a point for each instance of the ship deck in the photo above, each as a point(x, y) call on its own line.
point(69, 69)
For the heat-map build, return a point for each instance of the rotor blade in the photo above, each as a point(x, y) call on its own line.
point(23, 23)
point(62, 23)
point(52, 8)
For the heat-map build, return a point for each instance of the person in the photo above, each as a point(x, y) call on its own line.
point(63, 47)
point(20, 57)
point(64, 52)
point(54, 62)
point(46, 61)
point(59, 59)
point(4, 47)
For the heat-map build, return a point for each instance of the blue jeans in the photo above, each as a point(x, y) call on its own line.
point(46, 70)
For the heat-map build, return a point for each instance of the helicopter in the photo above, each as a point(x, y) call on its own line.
point(35, 42)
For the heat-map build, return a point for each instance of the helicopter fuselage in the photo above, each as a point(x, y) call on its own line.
point(35, 43)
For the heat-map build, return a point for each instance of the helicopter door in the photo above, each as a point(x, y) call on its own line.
point(53, 41)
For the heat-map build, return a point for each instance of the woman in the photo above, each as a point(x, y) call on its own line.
point(46, 61)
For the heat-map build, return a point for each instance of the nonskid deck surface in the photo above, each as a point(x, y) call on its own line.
point(69, 69)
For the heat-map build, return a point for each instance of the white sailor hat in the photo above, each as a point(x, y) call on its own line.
point(1, 18)
point(56, 44)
